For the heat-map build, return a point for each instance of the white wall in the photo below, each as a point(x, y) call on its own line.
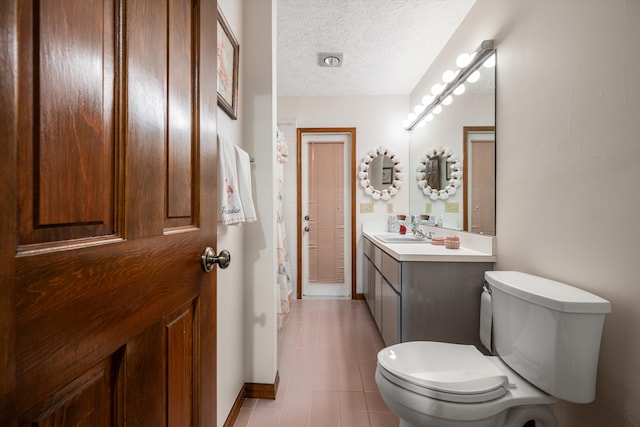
point(259, 109)
point(568, 85)
point(230, 282)
point(377, 120)
point(246, 324)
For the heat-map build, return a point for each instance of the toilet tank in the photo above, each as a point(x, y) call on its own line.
point(548, 332)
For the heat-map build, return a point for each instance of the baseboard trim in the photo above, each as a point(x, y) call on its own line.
point(262, 391)
point(359, 296)
point(235, 409)
point(251, 391)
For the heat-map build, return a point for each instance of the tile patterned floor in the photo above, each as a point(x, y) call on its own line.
point(326, 360)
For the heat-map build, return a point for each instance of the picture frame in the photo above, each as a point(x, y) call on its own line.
point(228, 63)
point(387, 175)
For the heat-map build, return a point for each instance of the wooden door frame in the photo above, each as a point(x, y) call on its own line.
point(466, 130)
point(352, 133)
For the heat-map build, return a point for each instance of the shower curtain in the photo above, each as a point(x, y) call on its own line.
point(284, 284)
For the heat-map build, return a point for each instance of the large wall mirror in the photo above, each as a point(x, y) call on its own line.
point(465, 197)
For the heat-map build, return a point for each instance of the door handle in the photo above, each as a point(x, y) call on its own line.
point(209, 258)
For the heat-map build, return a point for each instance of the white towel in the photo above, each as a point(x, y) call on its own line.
point(229, 204)
point(486, 319)
point(244, 184)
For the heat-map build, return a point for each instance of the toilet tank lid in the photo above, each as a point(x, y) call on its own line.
point(547, 293)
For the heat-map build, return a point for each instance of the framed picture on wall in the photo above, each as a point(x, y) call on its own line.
point(228, 62)
point(387, 175)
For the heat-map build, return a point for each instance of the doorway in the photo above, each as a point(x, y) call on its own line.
point(325, 212)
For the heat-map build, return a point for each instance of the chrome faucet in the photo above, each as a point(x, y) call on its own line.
point(415, 227)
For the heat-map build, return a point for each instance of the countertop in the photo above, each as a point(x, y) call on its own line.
point(482, 252)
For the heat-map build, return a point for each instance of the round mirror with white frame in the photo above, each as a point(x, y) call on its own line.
point(439, 173)
point(380, 173)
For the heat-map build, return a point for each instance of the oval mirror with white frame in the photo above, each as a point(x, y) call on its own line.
point(439, 173)
point(380, 173)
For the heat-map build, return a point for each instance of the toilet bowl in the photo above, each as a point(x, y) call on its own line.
point(451, 385)
point(547, 340)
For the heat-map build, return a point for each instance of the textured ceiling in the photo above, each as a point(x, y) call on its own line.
point(387, 44)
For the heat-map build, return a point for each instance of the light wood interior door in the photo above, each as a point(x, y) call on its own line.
point(108, 114)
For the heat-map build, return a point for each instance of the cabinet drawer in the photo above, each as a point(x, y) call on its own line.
point(391, 271)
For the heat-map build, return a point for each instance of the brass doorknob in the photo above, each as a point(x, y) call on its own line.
point(209, 258)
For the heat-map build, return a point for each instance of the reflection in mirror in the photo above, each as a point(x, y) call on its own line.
point(380, 173)
point(475, 108)
point(479, 145)
point(439, 173)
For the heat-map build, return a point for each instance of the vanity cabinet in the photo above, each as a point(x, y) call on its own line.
point(441, 301)
point(423, 300)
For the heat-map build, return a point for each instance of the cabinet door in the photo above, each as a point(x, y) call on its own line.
point(377, 305)
point(368, 287)
point(390, 314)
point(441, 301)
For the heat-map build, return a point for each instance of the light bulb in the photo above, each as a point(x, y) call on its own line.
point(459, 90)
point(448, 76)
point(490, 62)
point(405, 123)
point(429, 117)
point(411, 117)
point(422, 124)
point(418, 108)
point(426, 100)
point(474, 77)
point(437, 110)
point(463, 60)
point(436, 89)
point(448, 100)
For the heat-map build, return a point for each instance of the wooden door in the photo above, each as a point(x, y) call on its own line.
point(107, 117)
point(433, 173)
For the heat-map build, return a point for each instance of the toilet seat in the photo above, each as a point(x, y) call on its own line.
point(448, 372)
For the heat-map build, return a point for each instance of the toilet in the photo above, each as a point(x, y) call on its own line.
point(546, 335)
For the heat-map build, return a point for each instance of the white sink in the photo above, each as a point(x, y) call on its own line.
point(400, 238)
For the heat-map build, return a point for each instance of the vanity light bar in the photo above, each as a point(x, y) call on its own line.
point(484, 51)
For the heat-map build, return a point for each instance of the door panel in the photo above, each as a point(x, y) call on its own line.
point(67, 127)
point(87, 401)
point(110, 144)
point(326, 212)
